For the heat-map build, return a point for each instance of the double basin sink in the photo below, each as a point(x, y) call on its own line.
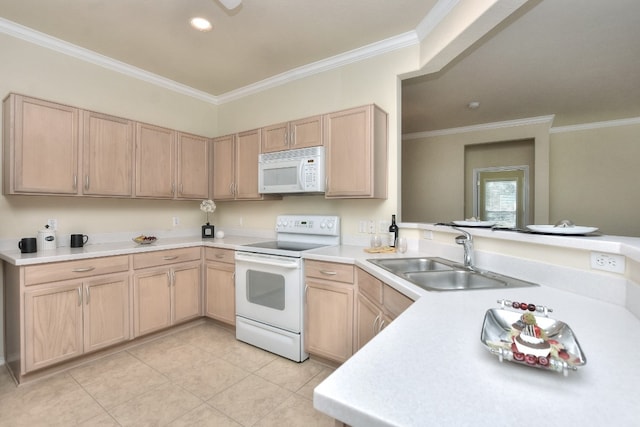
point(439, 274)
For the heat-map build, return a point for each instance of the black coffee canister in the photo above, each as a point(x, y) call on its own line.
point(28, 245)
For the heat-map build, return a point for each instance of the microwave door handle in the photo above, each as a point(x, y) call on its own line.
point(301, 174)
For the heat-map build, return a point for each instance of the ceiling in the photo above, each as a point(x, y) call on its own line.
point(258, 40)
point(576, 59)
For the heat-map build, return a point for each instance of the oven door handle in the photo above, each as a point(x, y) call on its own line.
point(268, 261)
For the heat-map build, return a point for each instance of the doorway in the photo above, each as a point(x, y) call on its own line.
point(501, 195)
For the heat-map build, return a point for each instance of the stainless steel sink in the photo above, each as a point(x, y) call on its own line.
point(438, 274)
point(403, 265)
point(454, 280)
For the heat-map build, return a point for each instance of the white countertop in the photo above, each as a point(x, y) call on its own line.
point(429, 367)
point(14, 256)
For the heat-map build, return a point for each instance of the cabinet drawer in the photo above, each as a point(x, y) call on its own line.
point(220, 255)
point(171, 256)
point(395, 302)
point(370, 286)
point(58, 271)
point(329, 271)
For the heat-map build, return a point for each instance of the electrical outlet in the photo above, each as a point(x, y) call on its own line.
point(383, 226)
point(175, 221)
point(52, 223)
point(372, 226)
point(608, 262)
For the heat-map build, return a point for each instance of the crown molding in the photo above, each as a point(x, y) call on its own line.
point(541, 120)
point(407, 39)
point(435, 16)
point(374, 49)
point(32, 36)
point(596, 125)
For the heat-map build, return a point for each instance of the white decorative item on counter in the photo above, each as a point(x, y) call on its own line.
point(47, 238)
point(208, 230)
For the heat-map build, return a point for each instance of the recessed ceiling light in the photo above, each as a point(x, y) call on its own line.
point(200, 24)
point(473, 105)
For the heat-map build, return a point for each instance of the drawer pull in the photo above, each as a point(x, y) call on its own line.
point(219, 256)
point(170, 258)
point(83, 269)
point(328, 272)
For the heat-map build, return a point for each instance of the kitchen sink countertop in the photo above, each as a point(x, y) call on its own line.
point(429, 367)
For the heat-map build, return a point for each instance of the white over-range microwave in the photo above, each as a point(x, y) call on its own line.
point(292, 171)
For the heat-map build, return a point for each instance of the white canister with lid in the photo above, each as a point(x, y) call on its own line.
point(46, 238)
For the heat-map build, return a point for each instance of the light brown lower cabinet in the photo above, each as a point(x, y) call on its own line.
point(329, 293)
point(220, 285)
point(169, 293)
point(377, 304)
point(70, 318)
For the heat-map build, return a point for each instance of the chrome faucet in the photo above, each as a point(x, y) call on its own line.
point(466, 240)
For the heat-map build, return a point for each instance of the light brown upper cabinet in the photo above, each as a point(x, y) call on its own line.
point(155, 161)
point(301, 133)
point(356, 153)
point(170, 164)
point(235, 167)
point(193, 167)
point(107, 147)
point(55, 149)
point(40, 147)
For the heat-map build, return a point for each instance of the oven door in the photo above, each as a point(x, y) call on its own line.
point(269, 290)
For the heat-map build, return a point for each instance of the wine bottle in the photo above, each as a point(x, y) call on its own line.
point(393, 232)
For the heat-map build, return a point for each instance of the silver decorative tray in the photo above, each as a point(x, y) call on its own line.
point(501, 326)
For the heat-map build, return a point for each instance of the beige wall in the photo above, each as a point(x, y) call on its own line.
point(594, 175)
point(433, 170)
point(42, 73)
point(46, 74)
point(371, 81)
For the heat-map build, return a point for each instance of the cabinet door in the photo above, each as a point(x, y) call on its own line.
point(152, 301)
point(221, 292)
point(107, 147)
point(247, 152)
point(193, 167)
point(224, 156)
point(348, 153)
point(44, 155)
point(368, 321)
point(106, 311)
point(329, 320)
point(356, 154)
point(306, 132)
point(155, 161)
point(187, 292)
point(275, 138)
point(53, 325)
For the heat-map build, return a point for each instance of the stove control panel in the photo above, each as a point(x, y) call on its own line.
point(328, 225)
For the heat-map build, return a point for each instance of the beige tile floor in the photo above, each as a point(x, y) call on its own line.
point(200, 376)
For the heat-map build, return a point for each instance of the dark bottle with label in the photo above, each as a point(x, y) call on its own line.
point(393, 232)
